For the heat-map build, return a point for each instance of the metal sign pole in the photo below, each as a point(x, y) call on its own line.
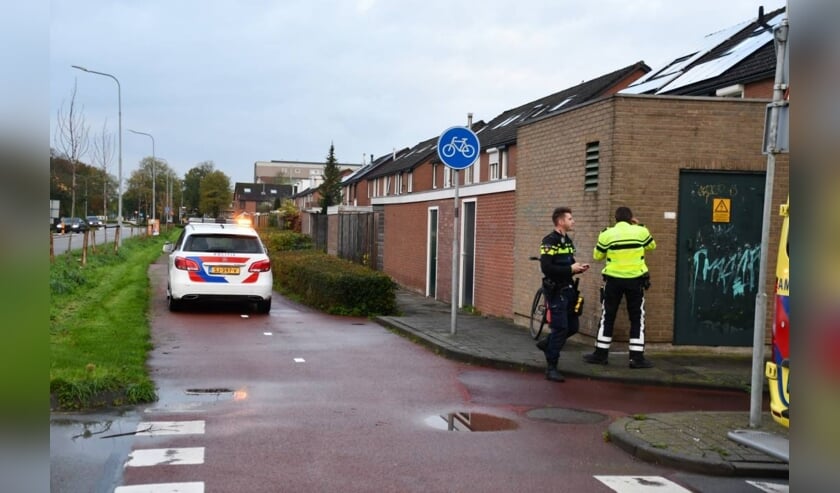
point(457, 148)
point(455, 246)
point(756, 383)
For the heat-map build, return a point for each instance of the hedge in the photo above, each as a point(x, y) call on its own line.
point(325, 282)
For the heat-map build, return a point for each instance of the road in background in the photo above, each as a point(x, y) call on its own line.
point(74, 241)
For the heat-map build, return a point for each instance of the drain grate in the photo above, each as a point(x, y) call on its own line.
point(566, 416)
point(217, 391)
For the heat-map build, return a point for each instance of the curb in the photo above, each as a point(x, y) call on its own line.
point(462, 356)
point(446, 350)
point(647, 452)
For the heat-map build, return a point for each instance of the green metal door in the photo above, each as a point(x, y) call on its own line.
point(718, 250)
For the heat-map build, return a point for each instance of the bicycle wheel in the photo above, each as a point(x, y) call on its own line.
point(537, 314)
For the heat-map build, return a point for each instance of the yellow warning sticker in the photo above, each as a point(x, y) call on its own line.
point(721, 210)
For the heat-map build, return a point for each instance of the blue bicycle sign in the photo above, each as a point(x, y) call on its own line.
point(458, 147)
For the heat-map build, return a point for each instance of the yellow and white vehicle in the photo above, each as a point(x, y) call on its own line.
point(777, 370)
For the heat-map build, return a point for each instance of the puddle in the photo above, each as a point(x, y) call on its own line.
point(85, 453)
point(566, 416)
point(463, 421)
point(194, 400)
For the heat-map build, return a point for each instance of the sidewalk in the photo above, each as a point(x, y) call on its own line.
point(695, 441)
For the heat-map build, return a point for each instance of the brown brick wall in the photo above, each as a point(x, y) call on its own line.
point(405, 249)
point(761, 89)
point(644, 142)
point(494, 262)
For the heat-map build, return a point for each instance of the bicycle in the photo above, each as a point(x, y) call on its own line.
point(539, 311)
point(459, 145)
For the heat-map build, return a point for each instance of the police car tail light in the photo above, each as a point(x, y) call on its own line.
point(260, 266)
point(185, 264)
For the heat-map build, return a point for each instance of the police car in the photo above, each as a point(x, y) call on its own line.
point(218, 262)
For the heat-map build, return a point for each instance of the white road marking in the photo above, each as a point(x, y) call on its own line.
point(641, 484)
point(770, 487)
point(196, 487)
point(267, 333)
point(165, 456)
point(244, 316)
point(300, 360)
point(156, 428)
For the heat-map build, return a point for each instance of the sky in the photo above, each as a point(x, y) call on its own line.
point(239, 82)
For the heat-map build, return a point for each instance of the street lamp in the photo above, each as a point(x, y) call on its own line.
point(119, 176)
point(153, 168)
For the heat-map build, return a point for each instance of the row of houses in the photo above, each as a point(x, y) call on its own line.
point(672, 143)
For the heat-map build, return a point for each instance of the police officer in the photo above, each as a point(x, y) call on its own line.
point(558, 265)
point(625, 275)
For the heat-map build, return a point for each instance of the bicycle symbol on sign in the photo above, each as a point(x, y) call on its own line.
point(460, 146)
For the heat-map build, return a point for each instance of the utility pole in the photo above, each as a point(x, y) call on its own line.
point(780, 36)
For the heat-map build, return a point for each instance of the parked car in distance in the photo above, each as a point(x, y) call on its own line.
point(218, 263)
point(71, 225)
point(94, 222)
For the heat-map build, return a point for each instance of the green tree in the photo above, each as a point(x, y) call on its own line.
point(192, 184)
point(138, 192)
point(330, 189)
point(215, 193)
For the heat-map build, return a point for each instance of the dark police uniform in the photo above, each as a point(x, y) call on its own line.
point(556, 259)
point(625, 275)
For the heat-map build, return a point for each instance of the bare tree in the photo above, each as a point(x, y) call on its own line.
point(71, 138)
point(103, 152)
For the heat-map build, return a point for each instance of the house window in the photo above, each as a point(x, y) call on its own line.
point(493, 163)
point(472, 173)
point(447, 177)
point(434, 176)
point(398, 185)
point(504, 159)
point(387, 188)
point(410, 181)
point(590, 179)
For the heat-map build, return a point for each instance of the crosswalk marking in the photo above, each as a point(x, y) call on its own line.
point(649, 484)
point(195, 487)
point(641, 484)
point(165, 456)
point(770, 487)
point(156, 428)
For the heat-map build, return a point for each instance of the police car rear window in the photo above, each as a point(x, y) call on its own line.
point(223, 244)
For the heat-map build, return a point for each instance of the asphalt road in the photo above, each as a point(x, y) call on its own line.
point(73, 241)
point(301, 401)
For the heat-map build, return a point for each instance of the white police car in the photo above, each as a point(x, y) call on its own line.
point(218, 262)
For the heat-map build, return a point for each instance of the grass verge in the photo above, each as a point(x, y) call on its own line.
point(99, 328)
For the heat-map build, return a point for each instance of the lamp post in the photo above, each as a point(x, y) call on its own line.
point(153, 167)
point(119, 160)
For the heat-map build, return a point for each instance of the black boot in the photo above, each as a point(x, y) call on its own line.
point(638, 361)
point(599, 357)
point(551, 372)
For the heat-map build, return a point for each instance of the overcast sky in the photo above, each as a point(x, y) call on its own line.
point(236, 82)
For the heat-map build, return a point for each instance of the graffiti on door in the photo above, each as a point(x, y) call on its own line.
point(724, 266)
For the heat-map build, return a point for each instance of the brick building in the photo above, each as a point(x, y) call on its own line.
point(647, 152)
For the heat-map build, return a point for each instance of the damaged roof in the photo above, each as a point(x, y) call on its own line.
point(502, 129)
point(739, 54)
